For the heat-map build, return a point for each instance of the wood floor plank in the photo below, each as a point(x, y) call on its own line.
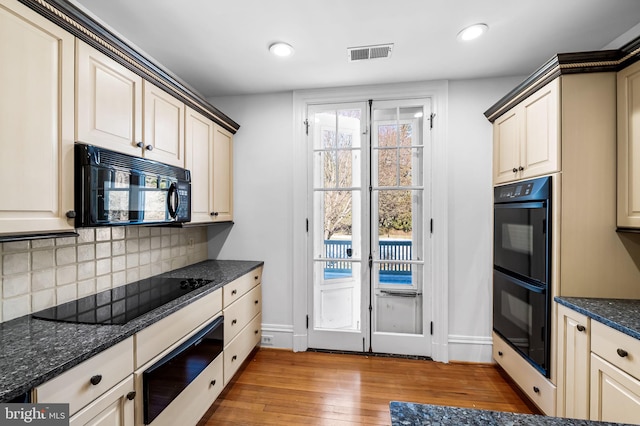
point(310, 388)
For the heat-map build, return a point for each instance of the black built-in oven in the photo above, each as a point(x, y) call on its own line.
point(522, 265)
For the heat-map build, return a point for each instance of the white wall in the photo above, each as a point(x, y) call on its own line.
point(263, 187)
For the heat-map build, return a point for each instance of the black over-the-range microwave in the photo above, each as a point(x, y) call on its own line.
point(112, 189)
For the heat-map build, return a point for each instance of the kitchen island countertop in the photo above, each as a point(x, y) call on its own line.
point(411, 414)
point(33, 351)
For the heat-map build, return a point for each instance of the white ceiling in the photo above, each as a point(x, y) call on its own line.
point(221, 47)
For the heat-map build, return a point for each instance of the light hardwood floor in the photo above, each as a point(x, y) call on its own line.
point(280, 387)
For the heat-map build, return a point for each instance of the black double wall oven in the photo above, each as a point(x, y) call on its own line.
point(521, 268)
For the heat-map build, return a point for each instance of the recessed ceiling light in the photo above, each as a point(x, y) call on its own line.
point(281, 49)
point(472, 32)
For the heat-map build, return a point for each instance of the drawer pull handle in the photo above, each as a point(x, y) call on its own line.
point(536, 389)
point(234, 322)
point(233, 358)
point(581, 327)
point(234, 292)
point(96, 379)
point(500, 353)
point(256, 302)
point(131, 395)
point(213, 382)
point(622, 353)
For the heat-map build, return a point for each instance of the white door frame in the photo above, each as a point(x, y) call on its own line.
point(436, 90)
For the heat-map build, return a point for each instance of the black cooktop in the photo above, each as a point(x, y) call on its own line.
point(122, 304)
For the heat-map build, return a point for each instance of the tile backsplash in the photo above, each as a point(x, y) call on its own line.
point(38, 274)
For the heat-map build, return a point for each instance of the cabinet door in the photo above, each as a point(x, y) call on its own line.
point(36, 122)
point(629, 147)
point(114, 408)
point(573, 364)
point(506, 147)
point(109, 102)
point(163, 126)
point(199, 155)
point(540, 151)
point(222, 166)
point(615, 395)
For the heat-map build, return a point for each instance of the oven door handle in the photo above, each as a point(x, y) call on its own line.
point(518, 205)
point(529, 286)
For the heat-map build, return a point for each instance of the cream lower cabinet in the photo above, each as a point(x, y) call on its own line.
point(628, 89)
point(526, 139)
point(118, 110)
point(573, 364)
point(615, 373)
point(242, 320)
point(36, 122)
point(99, 391)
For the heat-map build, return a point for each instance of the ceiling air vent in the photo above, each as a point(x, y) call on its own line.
point(369, 52)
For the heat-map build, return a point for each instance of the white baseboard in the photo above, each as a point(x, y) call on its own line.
point(470, 348)
point(281, 336)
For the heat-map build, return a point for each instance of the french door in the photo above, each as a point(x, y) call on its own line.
point(369, 226)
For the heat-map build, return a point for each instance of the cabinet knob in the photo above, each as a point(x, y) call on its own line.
point(233, 358)
point(214, 213)
point(149, 147)
point(520, 168)
point(140, 144)
point(213, 382)
point(256, 277)
point(536, 389)
point(234, 292)
point(515, 170)
point(256, 302)
point(234, 322)
point(500, 353)
point(131, 395)
point(581, 327)
point(96, 379)
point(71, 214)
point(257, 331)
point(622, 353)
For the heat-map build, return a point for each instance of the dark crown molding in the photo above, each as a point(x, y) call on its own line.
point(567, 63)
point(78, 23)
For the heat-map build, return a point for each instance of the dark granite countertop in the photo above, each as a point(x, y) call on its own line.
point(620, 314)
point(406, 413)
point(33, 351)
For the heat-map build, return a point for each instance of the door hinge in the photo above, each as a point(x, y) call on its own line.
point(432, 328)
point(431, 117)
point(306, 124)
point(307, 225)
point(307, 322)
point(431, 225)
point(370, 260)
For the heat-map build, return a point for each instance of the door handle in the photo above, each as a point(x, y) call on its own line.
point(173, 201)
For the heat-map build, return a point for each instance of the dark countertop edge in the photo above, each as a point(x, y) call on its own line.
point(122, 332)
point(577, 304)
point(412, 413)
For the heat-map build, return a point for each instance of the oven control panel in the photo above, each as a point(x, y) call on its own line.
point(535, 189)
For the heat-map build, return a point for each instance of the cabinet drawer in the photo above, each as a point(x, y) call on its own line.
point(112, 408)
point(539, 390)
point(156, 338)
point(195, 400)
point(619, 349)
point(75, 386)
point(236, 351)
point(238, 315)
point(235, 289)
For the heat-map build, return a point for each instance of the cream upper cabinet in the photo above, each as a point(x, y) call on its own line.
point(629, 147)
point(163, 126)
point(573, 364)
point(36, 122)
point(199, 132)
point(118, 110)
point(526, 138)
point(222, 169)
point(108, 102)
